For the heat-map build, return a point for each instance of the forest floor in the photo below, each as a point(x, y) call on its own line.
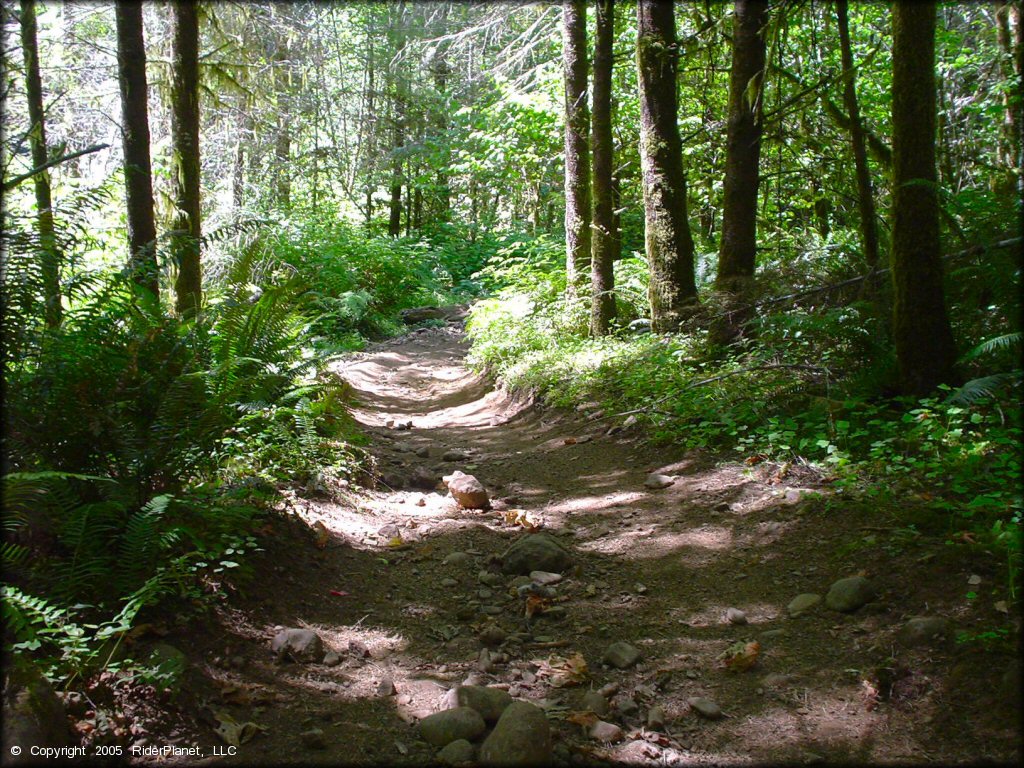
point(407, 619)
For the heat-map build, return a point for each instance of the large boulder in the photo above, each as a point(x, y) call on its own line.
point(521, 737)
point(34, 716)
point(535, 552)
point(467, 490)
point(446, 726)
point(489, 702)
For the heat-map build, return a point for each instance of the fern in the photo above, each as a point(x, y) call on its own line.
point(995, 344)
point(986, 387)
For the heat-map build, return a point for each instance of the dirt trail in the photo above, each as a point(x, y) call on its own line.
point(655, 568)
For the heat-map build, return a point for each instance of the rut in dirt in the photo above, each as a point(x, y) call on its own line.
point(668, 635)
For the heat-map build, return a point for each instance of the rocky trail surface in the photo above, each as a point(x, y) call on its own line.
point(594, 599)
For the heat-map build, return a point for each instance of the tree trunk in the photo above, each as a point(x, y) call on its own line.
point(138, 176)
point(577, 153)
point(925, 350)
point(738, 246)
point(865, 195)
point(667, 238)
point(399, 107)
point(49, 251)
point(602, 277)
point(185, 142)
point(283, 138)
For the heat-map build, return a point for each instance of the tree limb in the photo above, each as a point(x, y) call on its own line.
point(12, 183)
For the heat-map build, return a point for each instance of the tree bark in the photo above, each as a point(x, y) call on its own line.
point(865, 194)
point(738, 245)
point(605, 241)
point(668, 243)
point(577, 153)
point(49, 251)
point(185, 243)
point(925, 350)
point(138, 176)
point(399, 108)
point(283, 137)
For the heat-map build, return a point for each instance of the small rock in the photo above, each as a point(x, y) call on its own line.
point(640, 589)
point(521, 737)
point(922, 630)
point(627, 706)
point(424, 451)
point(467, 490)
point(736, 616)
point(595, 702)
point(332, 659)
point(458, 558)
point(974, 580)
point(449, 583)
point(386, 687)
point(454, 456)
point(489, 578)
point(535, 552)
point(606, 733)
point(629, 422)
point(545, 578)
point(656, 718)
point(422, 479)
point(776, 680)
point(446, 726)
point(772, 634)
point(620, 655)
point(298, 644)
point(802, 603)
point(656, 482)
point(849, 594)
point(313, 739)
point(492, 635)
point(705, 708)
point(459, 752)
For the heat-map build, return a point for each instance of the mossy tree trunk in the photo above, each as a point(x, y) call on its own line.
point(668, 243)
point(185, 243)
point(577, 150)
point(738, 245)
point(925, 350)
point(865, 194)
point(605, 246)
point(49, 251)
point(138, 175)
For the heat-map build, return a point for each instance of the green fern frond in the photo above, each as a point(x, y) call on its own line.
point(983, 388)
point(998, 343)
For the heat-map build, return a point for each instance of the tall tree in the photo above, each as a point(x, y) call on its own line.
point(577, 151)
point(185, 140)
point(925, 350)
point(668, 242)
point(398, 116)
point(605, 244)
point(49, 251)
point(865, 195)
point(138, 175)
point(738, 246)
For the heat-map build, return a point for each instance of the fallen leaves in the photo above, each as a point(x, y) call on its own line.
point(565, 671)
point(523, 518)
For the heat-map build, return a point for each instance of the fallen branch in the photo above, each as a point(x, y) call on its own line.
point(12, 183)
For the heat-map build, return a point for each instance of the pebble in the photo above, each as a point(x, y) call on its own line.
point(605, 732)
point(656, 718)
point(332, 659)
point(595, 702)
point(620, 655)
point(458, 558)
point(705, 707)
point(736, 616)
point(386, 687)
point(627, 707)
point(313, 739)
point(492, 635)
point(922, 630)
point(449, 583)
point(656, 482)
point(849, 594)
point(544, 577)
point(802, 603)
point(299, 644)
